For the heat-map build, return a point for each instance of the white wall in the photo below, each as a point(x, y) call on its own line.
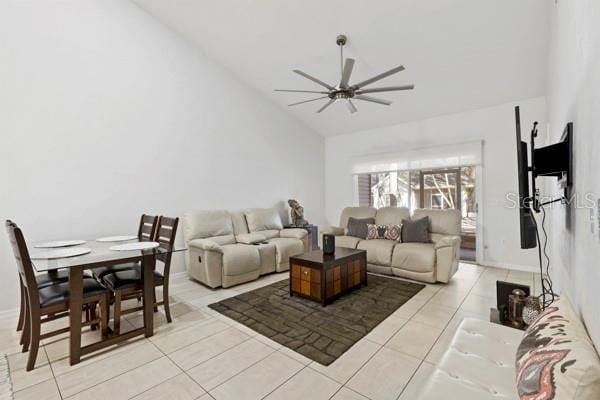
point(574, 95)
point(494, 126)
point(106, 114)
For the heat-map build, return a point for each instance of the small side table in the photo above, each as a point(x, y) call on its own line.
point(313, 235)
point(494, 318)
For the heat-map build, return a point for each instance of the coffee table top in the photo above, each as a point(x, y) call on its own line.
point(317, 257)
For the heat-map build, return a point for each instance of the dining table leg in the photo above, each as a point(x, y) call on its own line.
point(148, 264)
point(75, 306)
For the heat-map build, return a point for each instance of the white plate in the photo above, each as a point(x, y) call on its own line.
point(122, 238)
point(60, 253)
point(59, 243)
point(135, 246)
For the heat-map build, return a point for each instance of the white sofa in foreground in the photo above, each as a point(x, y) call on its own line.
point(554, 360)
point(228, 248)
point(428, 262)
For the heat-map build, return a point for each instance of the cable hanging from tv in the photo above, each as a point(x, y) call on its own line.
point(554, 160)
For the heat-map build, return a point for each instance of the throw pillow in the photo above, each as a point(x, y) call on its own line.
point(392, 232)
point(416, 231)
point(358, 227)
point(372, 232)
point(375, 231)
point(556, 358)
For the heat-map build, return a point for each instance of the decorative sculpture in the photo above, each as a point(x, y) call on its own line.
point(297, 213)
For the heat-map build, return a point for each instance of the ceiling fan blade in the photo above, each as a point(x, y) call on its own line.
point(386, 89)
point(330, 102)
point(308, 101)
point(312, 78)
point(348, 66)
point(373, 100)
point(378, 77)
point(351, 106)
point(300, 91)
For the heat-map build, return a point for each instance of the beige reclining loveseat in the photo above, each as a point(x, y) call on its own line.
point(228, 248)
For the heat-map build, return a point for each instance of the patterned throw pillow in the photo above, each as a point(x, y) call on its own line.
point(375, 231)
point(392, 232)
point(372, 232)
point(556, 359)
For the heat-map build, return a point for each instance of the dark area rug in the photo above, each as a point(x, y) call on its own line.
point(320, 333)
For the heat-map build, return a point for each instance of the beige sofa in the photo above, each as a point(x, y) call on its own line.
point(228, 248)
point(429, 262)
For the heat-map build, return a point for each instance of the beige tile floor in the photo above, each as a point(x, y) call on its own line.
point(203, 355)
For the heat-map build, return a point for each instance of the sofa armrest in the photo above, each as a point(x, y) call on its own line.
point(206, 245)
point(447, 250)
point(333, 230)
point(447, 241)
point(295, 233)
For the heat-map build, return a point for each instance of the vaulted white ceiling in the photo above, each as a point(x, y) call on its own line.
point(460, 54)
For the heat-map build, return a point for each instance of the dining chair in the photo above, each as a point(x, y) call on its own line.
point(128, 284)
point(50, 302)
point(146, 232)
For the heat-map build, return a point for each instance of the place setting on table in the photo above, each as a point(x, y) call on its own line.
point(65, 278)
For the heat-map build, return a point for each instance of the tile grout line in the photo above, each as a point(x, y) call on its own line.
point(181, 369)
point(52, 371)
point(109, 379)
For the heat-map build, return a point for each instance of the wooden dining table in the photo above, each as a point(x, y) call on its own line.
point(102, 256)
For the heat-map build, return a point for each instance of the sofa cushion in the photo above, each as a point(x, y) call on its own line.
point(269, 234)
point(391, 215)
point(356, 212)
point(416, 230)
point(379, 251)
point(240, 259)
point(477, 365)
point(347, 241)
point(446, 222)
point(286, 248)
point(204, 224)
point(250, 238)
point(359, 227)
point(297, 233)
point(417, 257)
point(556, 358)
point(263, 219)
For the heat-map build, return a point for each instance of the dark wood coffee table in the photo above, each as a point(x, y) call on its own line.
point(325, 277)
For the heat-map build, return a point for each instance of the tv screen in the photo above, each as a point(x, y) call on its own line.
point(526, 222)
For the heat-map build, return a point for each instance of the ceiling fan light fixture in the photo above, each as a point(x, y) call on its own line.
point(344, 91)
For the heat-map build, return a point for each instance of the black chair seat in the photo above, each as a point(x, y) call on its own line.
point(100, 272)
point(53, 277)
point(59, 292)
point(129, 278)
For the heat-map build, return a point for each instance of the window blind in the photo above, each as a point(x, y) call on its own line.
point(447, 156)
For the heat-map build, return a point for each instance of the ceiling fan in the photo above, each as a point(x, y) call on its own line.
point(344, 91)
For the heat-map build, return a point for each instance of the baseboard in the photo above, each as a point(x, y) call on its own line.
point(515, 267)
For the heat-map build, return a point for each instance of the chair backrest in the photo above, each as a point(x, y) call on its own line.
point(165, 236)
point(24, 265)
point(147, 229)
